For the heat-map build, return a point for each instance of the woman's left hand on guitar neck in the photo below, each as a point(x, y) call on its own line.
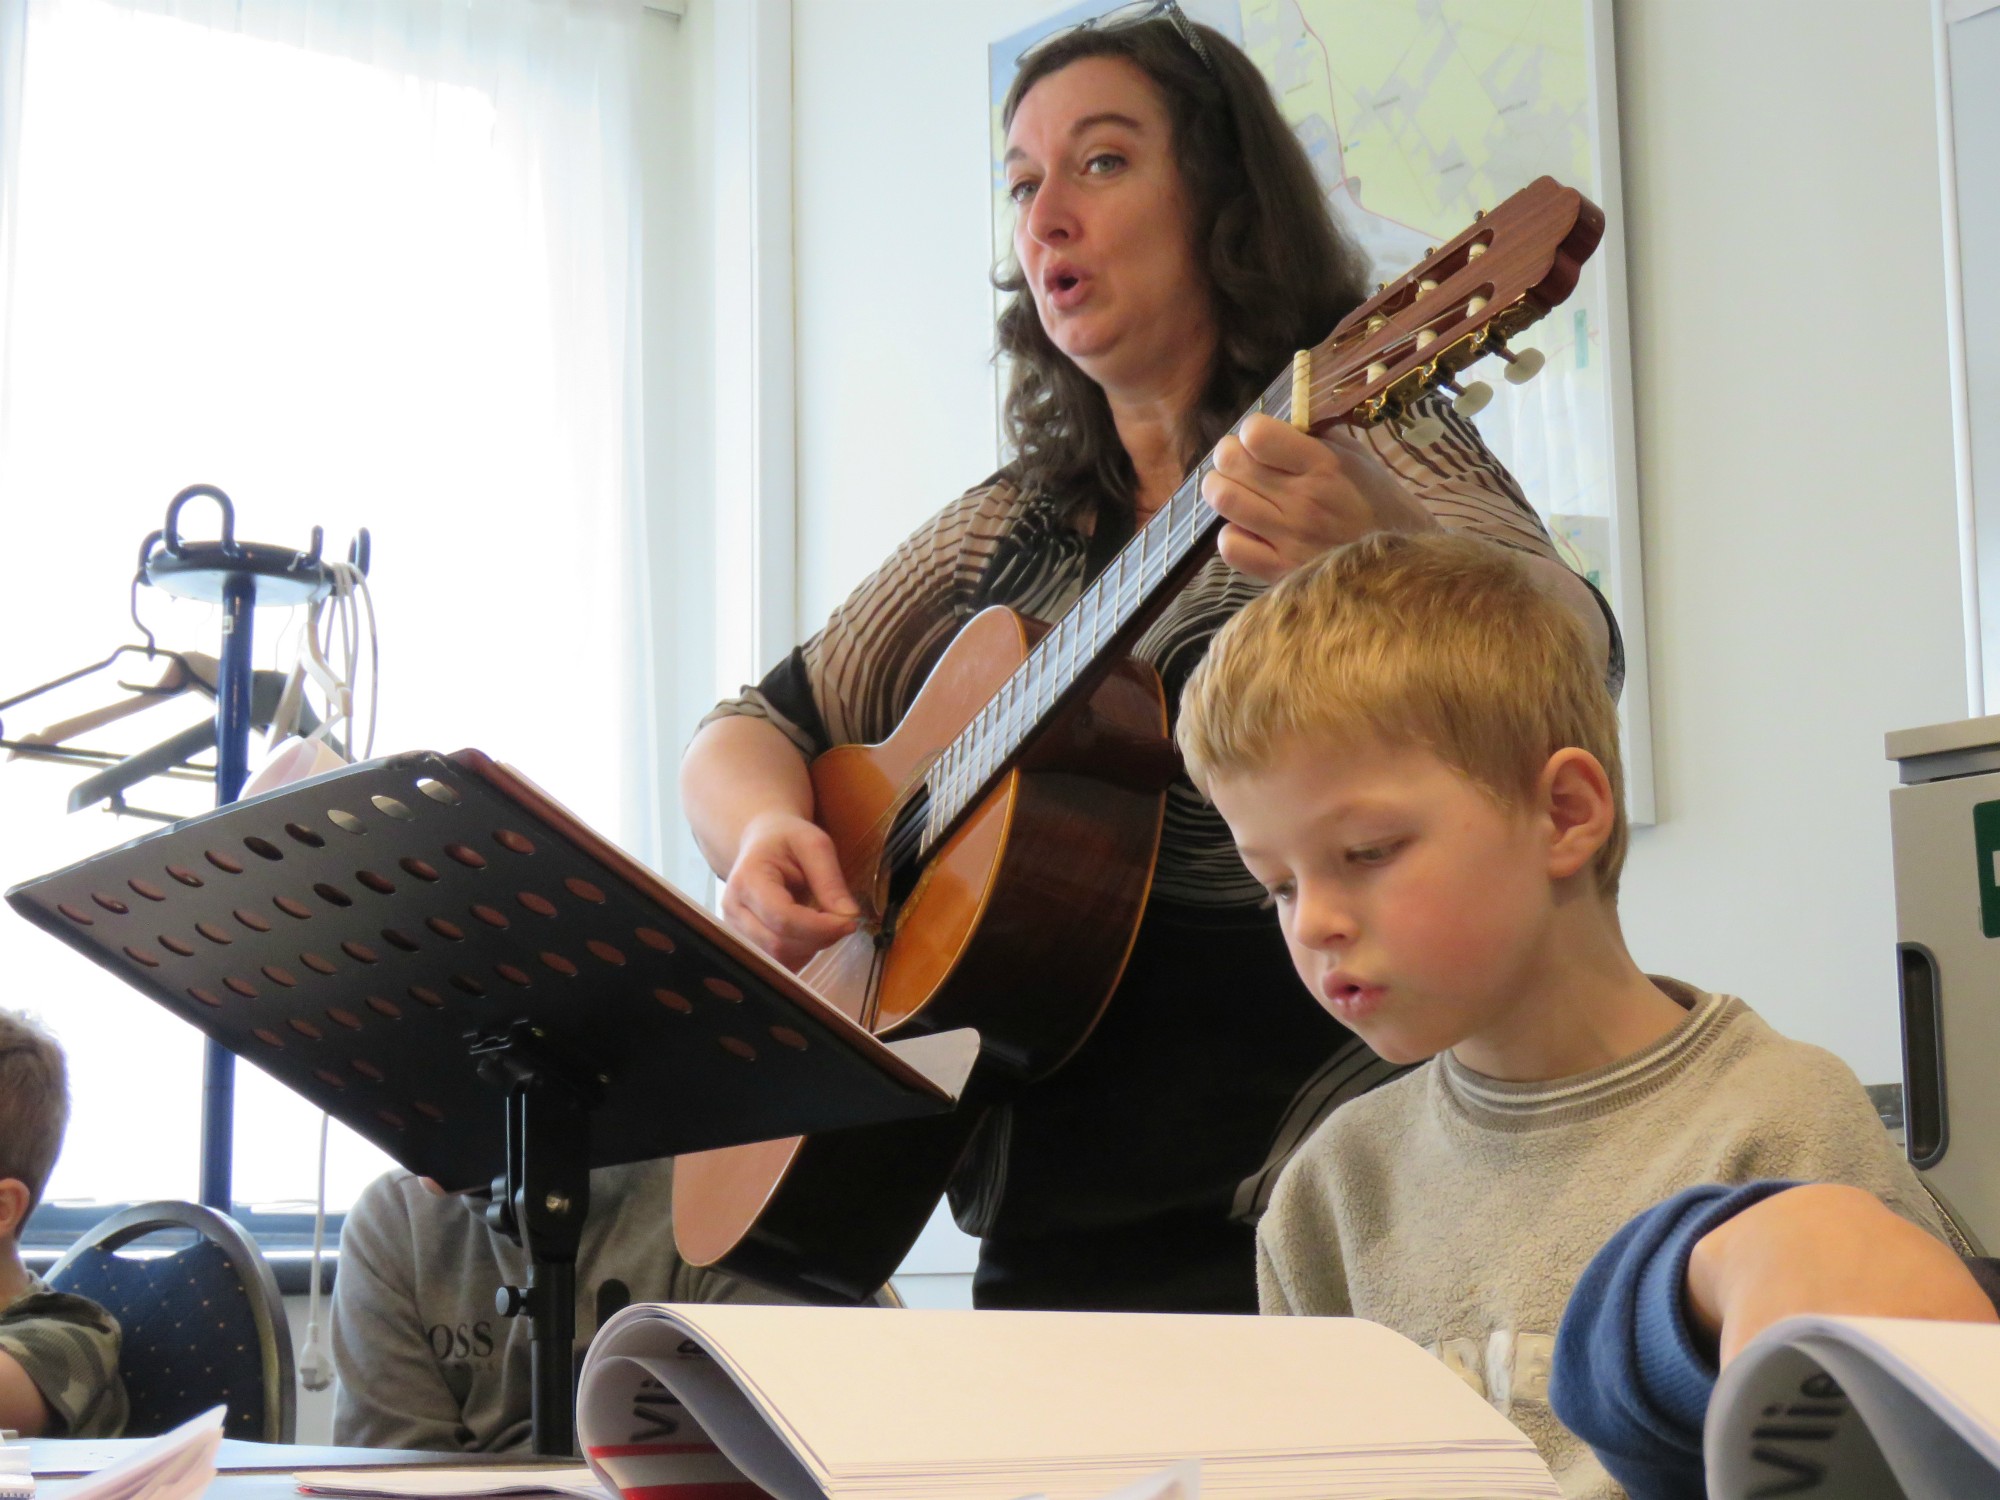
point(1288, 496)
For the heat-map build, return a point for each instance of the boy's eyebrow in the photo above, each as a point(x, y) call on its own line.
point(1102, 117)
point(1332, 822)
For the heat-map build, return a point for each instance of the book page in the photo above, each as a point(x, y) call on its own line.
point(653, 1412)
point(1181, 1482)
point(1859, 1409)
point(923, 1389)
point(1956, 1364)
point(638, 1436)
point(738, 1428)
point(177, 1465)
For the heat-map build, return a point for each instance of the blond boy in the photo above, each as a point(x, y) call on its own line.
point(1419, 763)
point(58, 1353)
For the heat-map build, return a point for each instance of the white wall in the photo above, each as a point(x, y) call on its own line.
point(1793, 428)
point(1795, 470)
point(891, 235)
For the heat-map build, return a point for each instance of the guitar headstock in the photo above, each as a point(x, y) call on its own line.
point(1465, 301)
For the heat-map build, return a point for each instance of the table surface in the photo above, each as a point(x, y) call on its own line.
point(247, 1470)
point(269, 1484)
point(64, 1457)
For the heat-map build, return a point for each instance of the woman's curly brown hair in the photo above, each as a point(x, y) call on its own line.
point(1280, 274)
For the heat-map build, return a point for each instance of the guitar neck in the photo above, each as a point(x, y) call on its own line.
point(1097, 631)
point(1417, 332)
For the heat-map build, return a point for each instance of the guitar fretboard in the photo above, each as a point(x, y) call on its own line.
point(1093, 633)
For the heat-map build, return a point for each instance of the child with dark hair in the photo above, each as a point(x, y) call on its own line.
point(58, 1353)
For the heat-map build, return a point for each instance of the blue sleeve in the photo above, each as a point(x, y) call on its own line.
point(1629, 1378)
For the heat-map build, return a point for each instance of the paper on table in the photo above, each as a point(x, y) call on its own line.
point(1180, 1482)
point(441, 1483)
point(178, 1465)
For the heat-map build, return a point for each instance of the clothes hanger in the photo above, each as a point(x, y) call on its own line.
point(47, 744)
point(183, 672)
point(172, 755)
point(186, 671)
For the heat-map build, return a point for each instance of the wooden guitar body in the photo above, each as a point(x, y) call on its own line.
point(1019, 924)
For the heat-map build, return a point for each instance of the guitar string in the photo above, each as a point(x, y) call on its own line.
point(1032, 689)
point(1053, 664)
point(1016, 711)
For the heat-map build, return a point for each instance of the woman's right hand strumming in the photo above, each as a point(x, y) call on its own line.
point(749, 801)
point(785, 892)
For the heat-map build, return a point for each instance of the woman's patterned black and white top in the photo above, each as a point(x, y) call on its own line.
point(854, 680)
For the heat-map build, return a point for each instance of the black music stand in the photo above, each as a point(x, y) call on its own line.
point(432, 950)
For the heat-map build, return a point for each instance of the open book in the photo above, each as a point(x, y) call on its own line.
point(1858, 1409)
point(886, 1404)
point(177, 1465)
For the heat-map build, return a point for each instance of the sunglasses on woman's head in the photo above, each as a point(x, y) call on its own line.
point(1135, 14)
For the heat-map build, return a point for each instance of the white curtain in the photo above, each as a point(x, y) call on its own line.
point(357, 264)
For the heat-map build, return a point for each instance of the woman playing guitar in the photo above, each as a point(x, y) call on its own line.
point(1172, 249)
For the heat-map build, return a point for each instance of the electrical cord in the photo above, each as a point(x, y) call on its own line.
point(315, 1368)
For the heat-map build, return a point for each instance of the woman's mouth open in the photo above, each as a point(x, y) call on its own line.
point(1065, 289)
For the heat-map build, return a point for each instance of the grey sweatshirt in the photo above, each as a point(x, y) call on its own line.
point(422, 1360)
point(1460, 1211)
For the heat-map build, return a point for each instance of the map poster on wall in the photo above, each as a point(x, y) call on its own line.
point(1416, 115)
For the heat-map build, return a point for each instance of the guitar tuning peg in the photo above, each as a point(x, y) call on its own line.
point(1522, 367)
point(1422, 432)
point(1470, 400)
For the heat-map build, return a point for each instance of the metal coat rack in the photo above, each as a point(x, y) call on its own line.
point(241, 577)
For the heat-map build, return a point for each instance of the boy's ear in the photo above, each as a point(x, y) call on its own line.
point(15, 1201)
point(1575, 794)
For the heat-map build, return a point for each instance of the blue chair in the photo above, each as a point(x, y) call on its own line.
point(203, 1324)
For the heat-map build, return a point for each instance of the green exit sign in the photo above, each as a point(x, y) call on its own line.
point(1986, 837)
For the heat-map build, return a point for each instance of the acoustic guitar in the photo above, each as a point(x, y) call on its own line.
point(1001, 841)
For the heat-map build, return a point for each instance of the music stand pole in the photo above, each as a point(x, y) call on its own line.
point(542, 1201)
